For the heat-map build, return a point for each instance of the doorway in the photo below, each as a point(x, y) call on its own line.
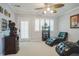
point(24, 30)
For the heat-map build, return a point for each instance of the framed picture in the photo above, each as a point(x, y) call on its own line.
point(5, 12)
point(9, 14)
point(74, 21)
point(1, 9)
point(4, 24)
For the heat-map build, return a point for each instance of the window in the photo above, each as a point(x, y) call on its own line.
point(40, 22)
point(24, 30)
point(48, 22)
point(37, 25)
point(51, 25)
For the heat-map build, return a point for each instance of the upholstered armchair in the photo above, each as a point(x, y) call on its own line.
point(67, 48)
point(62, 36)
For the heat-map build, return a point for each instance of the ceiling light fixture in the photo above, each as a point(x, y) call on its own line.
point(44, 12)
point(48, 9)
point(51, 11)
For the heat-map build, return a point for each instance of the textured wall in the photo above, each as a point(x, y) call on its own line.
point(34, 35)
point(64, 25)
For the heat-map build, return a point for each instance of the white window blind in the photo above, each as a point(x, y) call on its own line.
point(37, 25)
point(51, 25)
point(40, 22)
point(47, 22)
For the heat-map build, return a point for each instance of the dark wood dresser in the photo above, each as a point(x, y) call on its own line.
point(11, 45)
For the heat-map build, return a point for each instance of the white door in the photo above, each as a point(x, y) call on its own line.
point(24, 30)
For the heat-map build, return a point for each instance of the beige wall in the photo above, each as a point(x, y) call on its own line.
point(64, 25)
point(33, 35)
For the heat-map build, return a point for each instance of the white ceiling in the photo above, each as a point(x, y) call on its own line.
point(29, 8)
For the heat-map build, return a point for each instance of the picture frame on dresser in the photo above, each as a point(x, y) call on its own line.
point(74, 21)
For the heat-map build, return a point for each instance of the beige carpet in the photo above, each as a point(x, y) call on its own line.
point(35, 49)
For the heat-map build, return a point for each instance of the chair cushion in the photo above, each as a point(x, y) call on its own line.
point(61, 34)
point(50, 40)
point(78, 42)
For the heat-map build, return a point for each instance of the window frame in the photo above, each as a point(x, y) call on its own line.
point(50, 24)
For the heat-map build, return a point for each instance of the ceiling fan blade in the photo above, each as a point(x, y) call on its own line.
point(38, 8)
point(44, 7)
point(54, 11)
point(59, 5)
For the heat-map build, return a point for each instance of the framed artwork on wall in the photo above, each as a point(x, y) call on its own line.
point(1, 9)
point(9, 15)
point(6, 13)
point(4, 24)
point(74, 21)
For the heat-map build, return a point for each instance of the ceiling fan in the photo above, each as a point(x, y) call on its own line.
point(50, 6)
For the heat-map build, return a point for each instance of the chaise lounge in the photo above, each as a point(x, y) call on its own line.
point(67, 48)
point(62, 36)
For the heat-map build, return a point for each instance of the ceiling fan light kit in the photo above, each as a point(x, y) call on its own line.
point(44, 12)
point(50, 7)
point(47, 12)
point(51, 11)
